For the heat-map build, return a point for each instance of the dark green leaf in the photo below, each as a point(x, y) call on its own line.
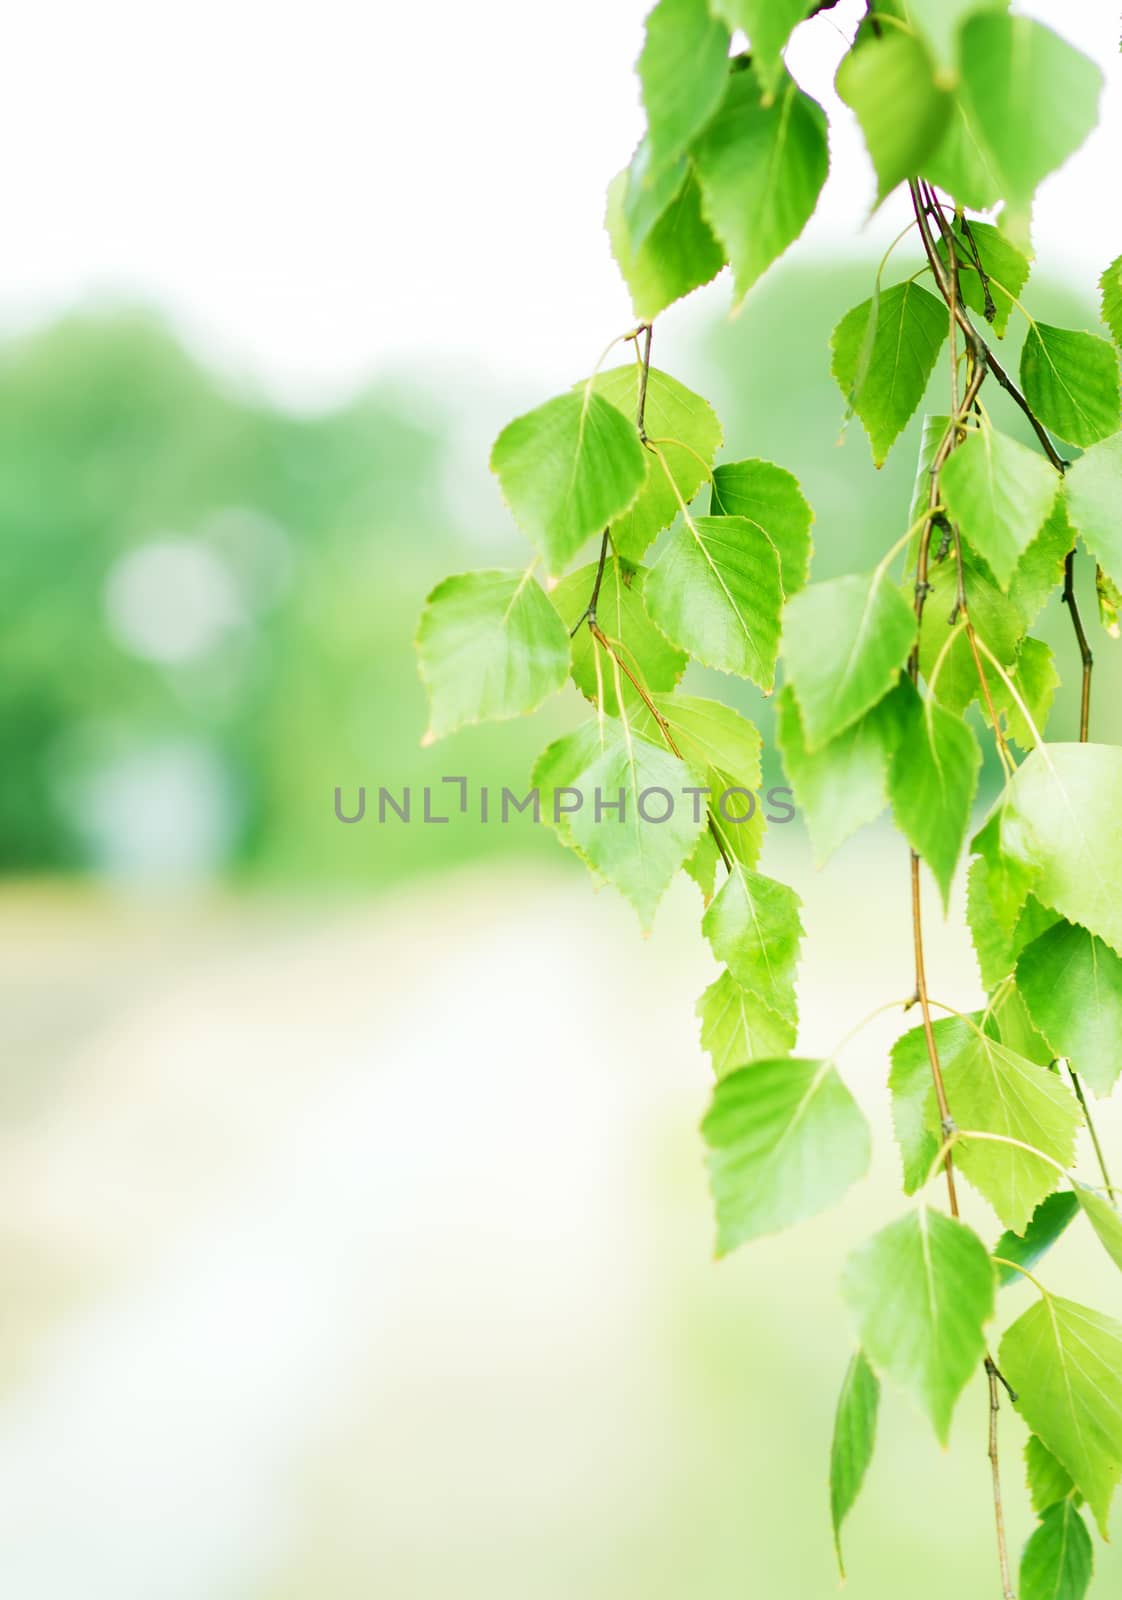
point(1005, 267)
point(1070, 380)
point(1047, 1223)
point(770, 497)
point(1058, 1559)
point(1047, 1480)
point(885, 389)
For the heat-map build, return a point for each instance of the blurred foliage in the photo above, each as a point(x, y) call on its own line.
point(326, 532)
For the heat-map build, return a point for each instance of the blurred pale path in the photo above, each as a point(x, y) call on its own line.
point(367, 1251)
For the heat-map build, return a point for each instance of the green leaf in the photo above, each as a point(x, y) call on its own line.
point(1071, 983)
point(682, 73)
point(1047, 1481)
point(997, 622)
point(1065, 1363)
point(1005, 267)
point(1059, 826)
point(786, 1140)
point(855, 1434)
point(997, 897)
point(688, 435)
point(939, 21)
point(890, 84)
point(736, 1027)
point(1070, 380)
point(754, 929)
point(920, 1292)
point(909, 326)
point(999, 492)
point(992, 1089)
point(669, 257)
point(1104, 1219)
point(715, 591)
point(962, 165)
point(844, 784)
point(770, 497)
point(761, 168)
point(647, 192)
point(1041, 567)
point(844, 643)
point(622, 615)
point(1036, 680)
point(909, 1081)
point(1110, 287)
point(562, 765)
point(567, 469)
point(932, 781)
point(725, 747)
point(1048, 1223)
point(638, 856)
point(1093, 490)
point(1058, 1559)
point(490, 646)
point(768, 24)
point(1032, 97)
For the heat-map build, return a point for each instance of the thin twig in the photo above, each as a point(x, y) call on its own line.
point(589, 613)
point(1085, 655)
point(663, 726)
point(1077, 1085)
point(993, 1378)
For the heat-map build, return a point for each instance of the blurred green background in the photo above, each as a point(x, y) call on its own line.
point(355, 1237)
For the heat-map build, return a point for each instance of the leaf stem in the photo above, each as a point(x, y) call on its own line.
point(1077, 1085)
point(1088, 660)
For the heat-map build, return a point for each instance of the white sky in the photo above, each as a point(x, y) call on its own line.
point(317, 193)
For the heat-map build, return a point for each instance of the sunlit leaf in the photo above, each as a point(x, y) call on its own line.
point(1006, 270)
point(855, 1433)
point(686, 431)
point(737, 1027)
point(1093, 490)
point(1072, 985)
point(768, 24)
point(920, 1292)
point(622, 616)
point(715, 591)
point(567, 469)
point(754, 929)
point(844, 643)
point(669, 257)
point(786, 1140)
point(1102, 1216)
point(932, 782)
point(490, 645)
point(890, 84)
point(1047, 1480)
point(770, 497)
point(1065, 1363)
point(682, 72)
point(999, 492)
point(761, 168)
point(1110, 287)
